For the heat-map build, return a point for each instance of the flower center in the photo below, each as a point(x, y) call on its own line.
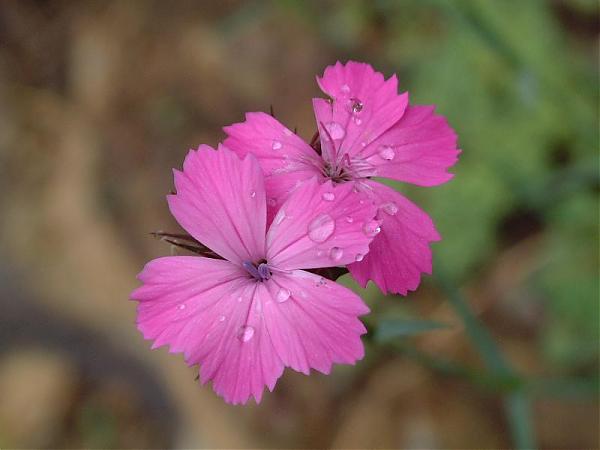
point(347, 169)
point(260, 270)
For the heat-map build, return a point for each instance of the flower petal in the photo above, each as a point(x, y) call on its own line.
point(204, 308)
point(220, 201)
point(284, 157)
point(321, 225)
point(317, 322)
point(418, 149)
point(400, 253)
point(364, 105)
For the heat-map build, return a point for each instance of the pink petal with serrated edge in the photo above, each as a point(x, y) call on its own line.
point(284, 157)
point(418, 149)
point(400, 253)
point(364, 105)
point(220, 201)
point(316, 325)
point(206, 309)
point(321, 225)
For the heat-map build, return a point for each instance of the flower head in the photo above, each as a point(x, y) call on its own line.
point(366, 130)
point(245, 317)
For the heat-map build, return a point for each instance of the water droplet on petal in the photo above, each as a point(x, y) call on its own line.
point(387, 152)
point(328, 196)
point(391, 208)
point(272, 202)
point(239, 299)
point(336, 253)
point(182, 306)
point(359, 257)
point(258, 307)
point(279, 217)
point(357, 105)
point(252, 194)
point(276, 145)
point(349, 219)
point(345, 88)
point(282, 295)
point(371, 228)
point(335, 130)
point(357, 121)
point(321, 228)
point(221, 318)
point(245, 333)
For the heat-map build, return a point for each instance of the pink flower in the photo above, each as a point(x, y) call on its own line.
point(247, 316)
point(366, 130)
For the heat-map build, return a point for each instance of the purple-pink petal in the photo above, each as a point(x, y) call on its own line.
point(362, 106)
point(284, 157)
point(220, 200)
point(241, 332)
point(418, 149)
point(321, 225)
point(202, 308)
point(400, 252)
point(316, 324)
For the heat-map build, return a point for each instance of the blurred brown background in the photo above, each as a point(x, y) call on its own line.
point(99, 100)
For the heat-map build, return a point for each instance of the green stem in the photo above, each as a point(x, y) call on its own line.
point(516, 402)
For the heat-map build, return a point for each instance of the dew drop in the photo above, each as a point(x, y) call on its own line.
point(336, 131)
point(276, 145)
point(258, 307)
point(357, 105)
point(282, 295)
point(272, 202)
point(239, 299)
point(182, 306)
point(372, 228)
point(387, 152)
point(336, 253)
point(221, 318)
point(390, 208)
point(345, 88)
point(357, 121)
point(359, 257)
point(245, 333)
point(279, 217)
point(349, 219)
point(328, 196)
point(321, 228)
point(252, 194)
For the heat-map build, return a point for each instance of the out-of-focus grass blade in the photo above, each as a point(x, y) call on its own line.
point(516, 403)
point(389, 329)
point(478, 334)
point(518, 414)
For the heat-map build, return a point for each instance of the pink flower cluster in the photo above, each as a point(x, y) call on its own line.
point(272, 207)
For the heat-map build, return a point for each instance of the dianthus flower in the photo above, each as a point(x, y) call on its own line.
point(366, 130)
point(245, 317)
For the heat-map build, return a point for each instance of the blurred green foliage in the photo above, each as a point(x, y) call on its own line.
point(521, 90)
point(525, 107)
point(522, 93)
